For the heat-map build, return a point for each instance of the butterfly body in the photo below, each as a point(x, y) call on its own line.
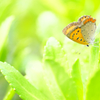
point(81, 31)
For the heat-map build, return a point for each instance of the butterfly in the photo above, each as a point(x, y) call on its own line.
point(82, 31)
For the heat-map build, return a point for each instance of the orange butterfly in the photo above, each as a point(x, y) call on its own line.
point(81, 31)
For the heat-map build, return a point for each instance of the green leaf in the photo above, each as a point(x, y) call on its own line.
point(76, 75)
point(64, 82)
point(54, 56)
point(21, 86)
point(54, 51)
point(52, 83)
point(93, 88)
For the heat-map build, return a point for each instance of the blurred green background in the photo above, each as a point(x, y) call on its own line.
point(32, 22)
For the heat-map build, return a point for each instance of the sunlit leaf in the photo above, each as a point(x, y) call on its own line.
point(20, 85)
point(57, 73)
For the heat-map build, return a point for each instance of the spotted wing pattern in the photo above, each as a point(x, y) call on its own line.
point(81, 31)
point(77, 36)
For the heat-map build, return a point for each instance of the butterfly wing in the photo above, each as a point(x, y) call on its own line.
point(88, 29)
point(73, 31)
point(81, 31)
point(81, 19)
point(77, 36)
point(69, 28)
